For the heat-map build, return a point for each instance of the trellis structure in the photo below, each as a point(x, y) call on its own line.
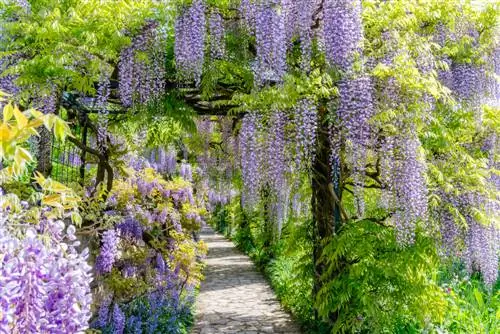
point(70, 164)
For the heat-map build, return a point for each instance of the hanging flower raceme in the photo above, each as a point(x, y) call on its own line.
point(205, 128)
point(386, 156)
point(468, 83)
point(186, 171)
point(275, 152)
point(306, 122)
point(109, 252)
point(118, 320)
point(494, 82)
point(355, 110)
point(276, 162)
point(250, 158)
point(482, 239)
point(342, 32)
point(216, 27)
point(290, 11)
point(247, 12)
point(125, 76)
point(410, 190)
point(141, 69)
point(163, 160)
point(304, 21)
point(7, 82)
point(189, 45)
point(271, 43)
point(482, 248)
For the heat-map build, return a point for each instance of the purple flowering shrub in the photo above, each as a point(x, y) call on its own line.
point(44, 275)
point(147, 261)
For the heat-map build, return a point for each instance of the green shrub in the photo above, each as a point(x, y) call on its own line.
point(373, 285)
point(472, 308)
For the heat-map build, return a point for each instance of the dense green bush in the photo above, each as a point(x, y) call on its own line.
point(373, 284)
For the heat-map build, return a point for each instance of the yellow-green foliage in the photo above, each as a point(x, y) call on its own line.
point(374, 284)
point(15, 130)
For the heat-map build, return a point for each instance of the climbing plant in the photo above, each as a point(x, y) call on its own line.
point(375, 122)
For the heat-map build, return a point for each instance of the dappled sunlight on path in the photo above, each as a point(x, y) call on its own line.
point(235, 297)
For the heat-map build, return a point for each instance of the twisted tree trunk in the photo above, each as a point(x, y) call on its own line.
point(325, 198)
point(44, 152)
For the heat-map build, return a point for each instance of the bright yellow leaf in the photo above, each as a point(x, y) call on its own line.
point(7, 113)
point(5, 133)
point(21, 120)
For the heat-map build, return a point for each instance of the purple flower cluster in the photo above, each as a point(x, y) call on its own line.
point(290, 11)
point(103, 312)
point(118, 320)
point(144, 187)
point(205, 128)
point(355, 110)
point(410, 188)
point(47, 102)
point(275, 153)
point(247, 13)
point(482, 241)
point(189, 45)
point(43, 288)
point(142, 80)
point(271, 43)
point(306, 123)
point(164, 161)
point(130, 228)
point(218, 198)
point(494, 83)
point(126, 76)
point(186, 171)
point(304, 21)
point(250, 158)
point(7, 82)
point(342, 32)
point(108, 253)
point(482, 248)
point(70, 158)
point(468, 83)
point(217, 31)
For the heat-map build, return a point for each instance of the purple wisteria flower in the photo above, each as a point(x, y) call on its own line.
point(130, 228)
point(342, 32)
point(250, 157)
point(109, 252)
point(271, 43)
point(306, 122)
point(355, 110)
point(217, 31)
point(42, 289)
point(189, 46)
point(410, 188)
point(186, 171)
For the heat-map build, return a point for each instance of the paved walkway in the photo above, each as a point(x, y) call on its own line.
point(235, 297)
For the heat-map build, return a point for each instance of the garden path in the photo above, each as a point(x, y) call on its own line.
point(235, 297)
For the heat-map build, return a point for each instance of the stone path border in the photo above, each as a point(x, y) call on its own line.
point(235, 297)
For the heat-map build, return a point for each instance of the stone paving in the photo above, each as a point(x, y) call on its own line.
point(235, 297)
